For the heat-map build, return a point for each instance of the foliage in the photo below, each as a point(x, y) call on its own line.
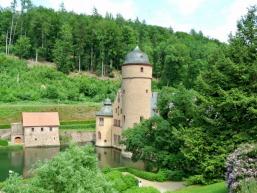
point(3, 142)
point(213, 188)
point(121, 182)
point(160, 176)
point(241, 167)
point(142, 190)
point(86, 42)
point(197, 179)
point(22, 47)
point(248, 186)
point(20, 83)
point(74, 170)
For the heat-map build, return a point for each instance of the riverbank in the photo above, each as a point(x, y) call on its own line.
point(11, 147)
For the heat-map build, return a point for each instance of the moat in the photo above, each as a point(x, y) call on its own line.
point(23, 161)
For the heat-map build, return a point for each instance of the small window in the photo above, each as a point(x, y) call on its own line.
point(101, 121)
point(54, 138)
point(124, 118)
point(42, 129)
point(105, 141)
point(141, 118)
point(142, 69)
point(146, 90)
point(123, 91)
point(35, 139)
point(116, 110)
point(99, 135)
point(32, 129)
point(50, 129)
point(121, 111)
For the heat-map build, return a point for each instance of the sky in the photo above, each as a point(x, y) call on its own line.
point(215, 18)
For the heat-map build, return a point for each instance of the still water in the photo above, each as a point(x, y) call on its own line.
point(23, 161)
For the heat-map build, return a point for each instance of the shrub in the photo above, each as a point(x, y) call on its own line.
point(3, 142)
point(160, 176)
point(197, 179)
point(175, 175)
point(248, 186)
point(241, 165)
point(142, 190)
point(121, 182)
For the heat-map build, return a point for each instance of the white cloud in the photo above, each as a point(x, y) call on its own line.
point(186, 7)
point(233, 14)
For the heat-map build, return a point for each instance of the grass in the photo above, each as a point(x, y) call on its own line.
point(213, 188)
point(10, 113)
point(78, 125)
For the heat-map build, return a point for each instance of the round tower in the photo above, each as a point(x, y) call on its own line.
point(136, 88)
point(104, 122)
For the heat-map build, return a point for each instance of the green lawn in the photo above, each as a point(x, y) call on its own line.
point(213, 188)
point(80, 111)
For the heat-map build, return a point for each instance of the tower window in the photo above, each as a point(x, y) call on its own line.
point(142, 69)
point(146, 90)
point(51, 129)
point(99, 135)
point(42, 129)
point(141, 118)
point(124, 118)
point(101, 121)
point(123, 91)
point(32, 129)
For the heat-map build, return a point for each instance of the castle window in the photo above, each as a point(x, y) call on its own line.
point(35, 139)
point(121, 110)
point(101, 121)
point(123, 91)
point(124, 118)
point(118, 139)
point(141, 118)
point(32, 129)
point(116, 110)
point(142, 69)
point(50, 129)
point(105, 141)
point(146, 90)
point(42, 129)
point(99, 135)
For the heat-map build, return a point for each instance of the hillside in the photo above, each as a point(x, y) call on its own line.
point(41, 83)
point(99, 44)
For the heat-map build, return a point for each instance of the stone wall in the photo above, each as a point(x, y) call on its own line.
point(78, 136)
point(41, 136)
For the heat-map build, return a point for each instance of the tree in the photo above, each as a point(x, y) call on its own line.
point(23, 47)
point(74, 170)
point(63, 50)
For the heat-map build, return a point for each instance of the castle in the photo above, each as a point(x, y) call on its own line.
point(134, 102)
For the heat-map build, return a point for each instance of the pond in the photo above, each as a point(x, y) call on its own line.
point(22, 161)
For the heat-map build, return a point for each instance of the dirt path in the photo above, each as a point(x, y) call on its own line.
point(161, 186)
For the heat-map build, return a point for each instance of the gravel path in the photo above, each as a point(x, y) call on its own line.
point(161, 186)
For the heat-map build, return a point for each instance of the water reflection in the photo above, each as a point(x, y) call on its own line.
point(23, 161)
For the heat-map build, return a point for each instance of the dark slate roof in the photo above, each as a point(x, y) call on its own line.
point(154, 101)
point(106, 109)
point(136, 57)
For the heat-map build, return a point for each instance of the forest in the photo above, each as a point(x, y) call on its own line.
point(99, 44)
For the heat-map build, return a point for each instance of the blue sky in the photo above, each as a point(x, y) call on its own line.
point(215, 18)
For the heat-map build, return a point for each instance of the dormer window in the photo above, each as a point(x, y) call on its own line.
point(142, 69)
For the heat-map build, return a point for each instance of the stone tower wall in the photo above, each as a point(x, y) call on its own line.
point(136, 93)
point(105, 131)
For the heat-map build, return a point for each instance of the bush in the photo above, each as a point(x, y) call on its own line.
point(3, 142)
point(197, 179)
point(241, 165)
point(142, 190)
point(175, 175)
point(160, 176)
point(248, 186)
point(119, 181)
